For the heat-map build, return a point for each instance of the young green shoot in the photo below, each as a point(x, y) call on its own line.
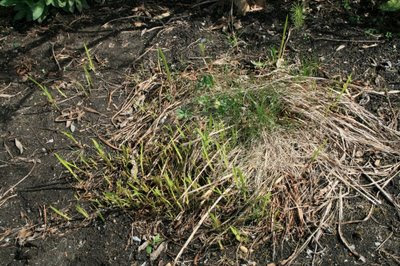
point(318, 151)
point(103, 155)
point(69, 166)
point(89, 57)
point(60, 213)
point(283, 43)
point(88, 77)
point(72, 138)
point(341, 93)
point(82, 211)
point(163, 59)
point(297, 15)
point(45, 91)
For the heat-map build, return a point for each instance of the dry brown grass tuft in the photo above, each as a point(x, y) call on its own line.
point(326, 153)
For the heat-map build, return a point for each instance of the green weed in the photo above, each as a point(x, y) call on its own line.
point(154, 242)
point(89, 80)
point(82, 211)
point(69, 166)
point(45, 91)
point(163, 59)
point(207, 81)
point(309, 67)
point(297, 15)
point(60, 213)
point(346, 5)
point(247, 111)
point(343, 90)
point(89, 57)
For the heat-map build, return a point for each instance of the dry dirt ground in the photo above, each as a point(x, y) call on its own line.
point(123, 43)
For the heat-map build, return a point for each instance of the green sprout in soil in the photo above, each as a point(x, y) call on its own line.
point(45, 91)
point(346, 5)
point(156, 240)
point(297, 15)
point(82, 211)
point(89, 57)
point(71, 167)
point(283, 43)
point(309, 67)
point(163, 59)
point(60, 213)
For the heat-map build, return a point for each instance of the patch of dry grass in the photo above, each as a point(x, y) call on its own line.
point(308, 150)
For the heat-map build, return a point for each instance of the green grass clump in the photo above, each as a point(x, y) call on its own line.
point(249, 112)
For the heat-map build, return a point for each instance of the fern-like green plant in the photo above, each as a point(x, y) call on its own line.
point(39, 9)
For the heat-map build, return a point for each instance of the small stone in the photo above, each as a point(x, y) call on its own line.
point(377, 163)
point(271, 264)
point(359, 154)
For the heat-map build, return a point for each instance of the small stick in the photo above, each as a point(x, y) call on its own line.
point(381, 245)
point(351, 248)
point(203, 218)
point(108, 143)
point(19, 182)
point(54, 56)
point(346, 40)
point(363, 220)
point(386, 194)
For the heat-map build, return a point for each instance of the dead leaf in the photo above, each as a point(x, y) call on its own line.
point(144, 245)
point(19, 146)
point(156, 253)
point(163, 15)
point(138, 24)
point(23, 236)
point(340, 47)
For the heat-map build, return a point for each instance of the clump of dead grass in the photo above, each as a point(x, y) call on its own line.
point(205, 173)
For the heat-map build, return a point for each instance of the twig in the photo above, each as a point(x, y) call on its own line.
point(316, 233)
point(204, 3)
point(297, 252)
point(346, 40)
point(15, 185)
point(381, 245)
point(395, 258)
point(199, 224)
point(143, 54)
point(387, 195)
point(123, 18)
point(54, 56)
point(108, 143)
point(363, 220)
point(348, 246)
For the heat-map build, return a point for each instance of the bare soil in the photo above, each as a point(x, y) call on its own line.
point(339, 41)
